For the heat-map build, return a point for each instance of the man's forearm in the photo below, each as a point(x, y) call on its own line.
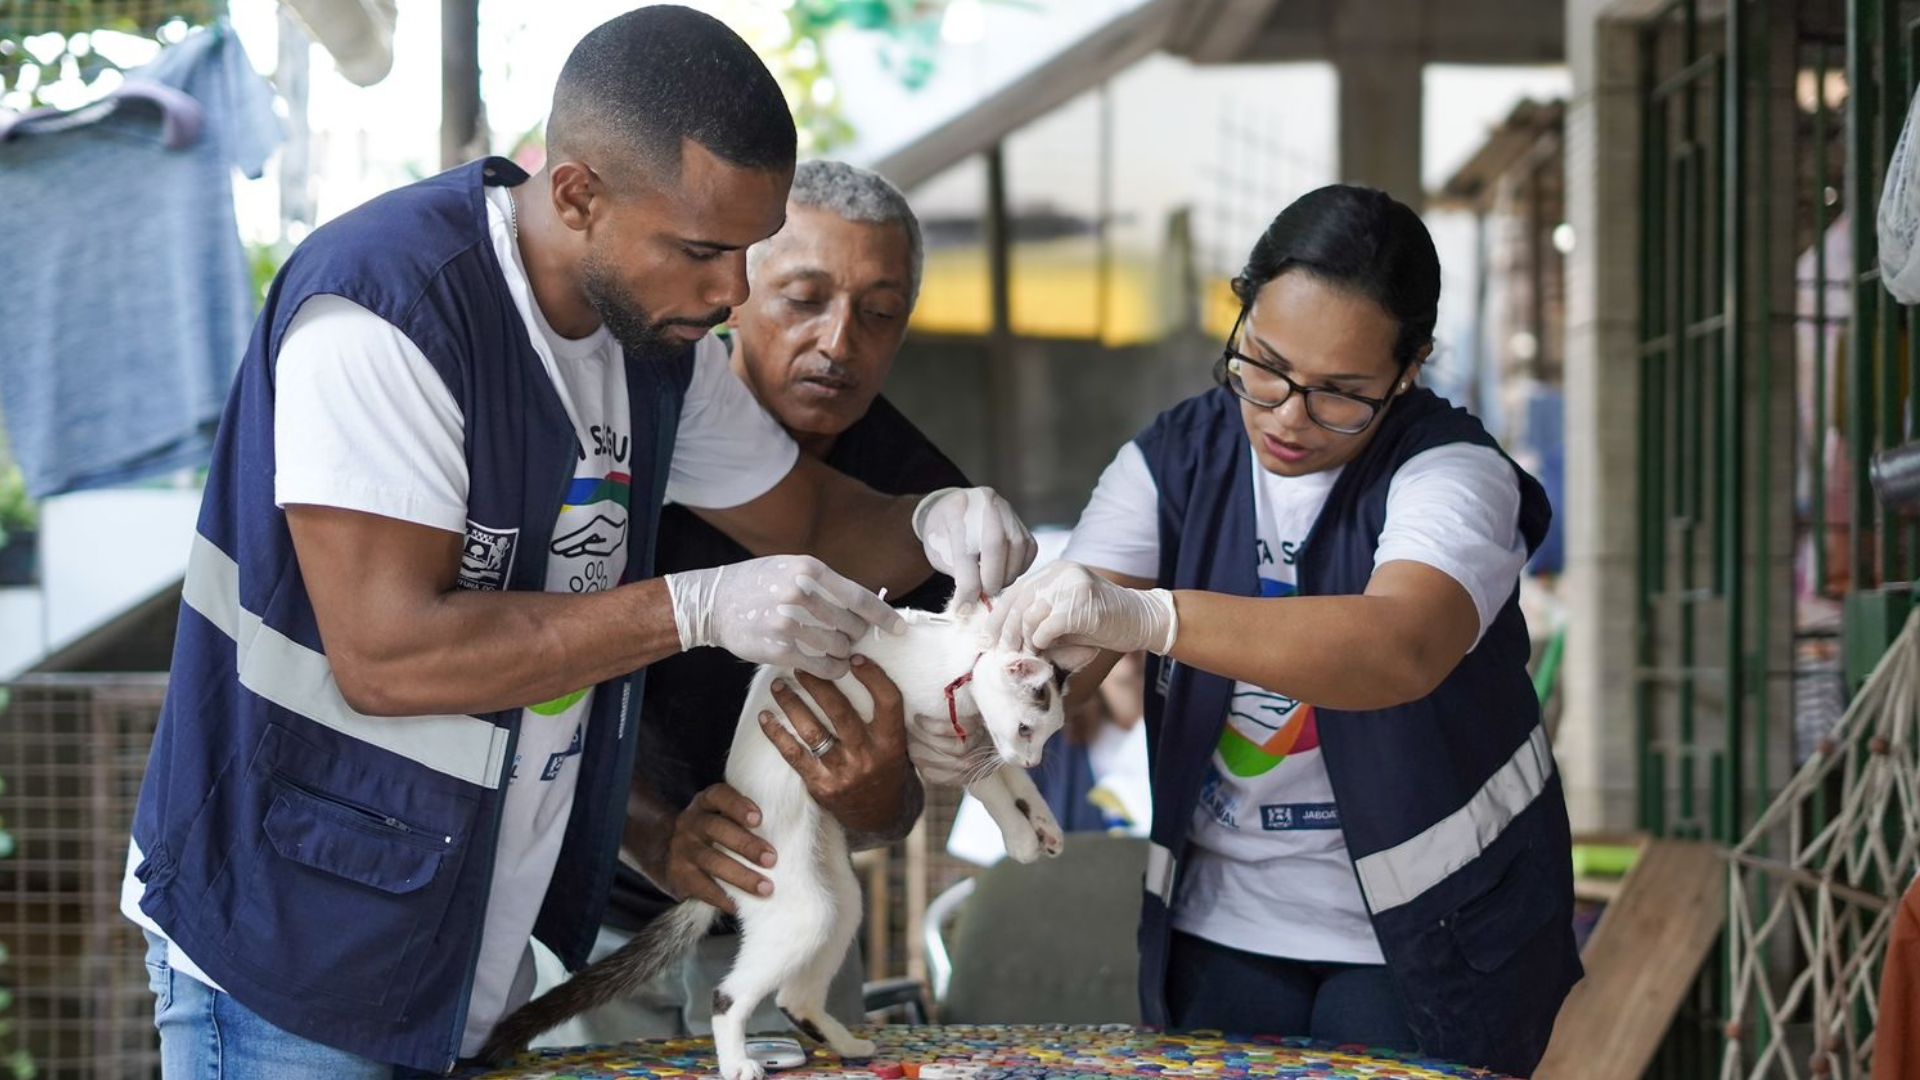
point(819, 511)
point(869, 537)
point(477, 652)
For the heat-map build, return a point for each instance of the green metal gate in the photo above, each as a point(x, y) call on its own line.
point(1756, 113)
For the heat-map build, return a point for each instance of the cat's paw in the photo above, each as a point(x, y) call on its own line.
point(1049, 836)
point(1023, 845)
point(856, 1048)
point(747, 1069)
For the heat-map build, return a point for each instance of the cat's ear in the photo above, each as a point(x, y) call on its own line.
point(1029, 671)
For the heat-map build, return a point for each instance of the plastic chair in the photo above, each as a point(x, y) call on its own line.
point(1051, 942)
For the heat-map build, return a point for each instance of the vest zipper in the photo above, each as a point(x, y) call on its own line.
point(374, 816)
point(473, 952)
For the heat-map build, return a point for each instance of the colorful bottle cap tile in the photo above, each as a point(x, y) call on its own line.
point(1007, 1052)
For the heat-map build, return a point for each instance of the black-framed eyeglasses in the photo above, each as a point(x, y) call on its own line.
point(1265, 387)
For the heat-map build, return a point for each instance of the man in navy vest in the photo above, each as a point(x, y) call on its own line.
point(420, 600)
point(832, 293)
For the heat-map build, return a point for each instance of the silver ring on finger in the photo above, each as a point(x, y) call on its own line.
point(819, 749)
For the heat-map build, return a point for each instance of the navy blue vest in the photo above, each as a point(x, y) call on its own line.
point(1450, 805)
point(328, 869)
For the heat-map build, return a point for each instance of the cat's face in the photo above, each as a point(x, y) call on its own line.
point(1021, 698)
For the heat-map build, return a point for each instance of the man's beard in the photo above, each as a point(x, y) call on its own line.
point(637, 331)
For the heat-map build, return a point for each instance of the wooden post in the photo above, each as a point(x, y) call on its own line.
point(1003, 423)
point(1103, 223)
point(875, 865)
point(460, 111)
point(917, 869)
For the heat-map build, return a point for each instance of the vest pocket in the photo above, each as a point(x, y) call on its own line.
point(336, 888)
point(1492, 927)
point(378, 851)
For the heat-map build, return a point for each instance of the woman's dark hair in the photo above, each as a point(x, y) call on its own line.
point(1359, 239)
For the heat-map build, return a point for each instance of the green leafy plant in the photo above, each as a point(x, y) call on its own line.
point(71, 54)
point(18, 514)
point(909, 48)
point(263, 262)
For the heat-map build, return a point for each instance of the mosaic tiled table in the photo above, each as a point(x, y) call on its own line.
point(1047, 1052)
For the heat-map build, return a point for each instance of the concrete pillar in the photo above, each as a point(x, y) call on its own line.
point(463, 117)
point(1381, 93)
point(1595, 743)
point(1773, 437)
point(1379, 49)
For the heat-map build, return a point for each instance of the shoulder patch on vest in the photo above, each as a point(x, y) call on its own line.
point(486, 560)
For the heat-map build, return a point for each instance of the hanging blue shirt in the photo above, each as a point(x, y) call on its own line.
point(127, 299)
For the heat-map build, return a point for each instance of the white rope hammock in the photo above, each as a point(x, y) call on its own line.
point(1812, 905)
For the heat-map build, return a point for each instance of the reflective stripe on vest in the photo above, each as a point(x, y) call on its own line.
point(298, 679)
point(1402, 872)
point(1160, 873)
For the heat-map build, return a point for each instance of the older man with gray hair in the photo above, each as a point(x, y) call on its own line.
point(831, 294)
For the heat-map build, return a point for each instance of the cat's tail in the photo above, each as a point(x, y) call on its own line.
point(660, 945)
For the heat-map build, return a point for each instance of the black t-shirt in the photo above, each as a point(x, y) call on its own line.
point(692, 700)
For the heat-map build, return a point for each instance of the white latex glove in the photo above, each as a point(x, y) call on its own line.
point(786, 610)
point(1068, 612)
point(941, 760)
point(973, 536)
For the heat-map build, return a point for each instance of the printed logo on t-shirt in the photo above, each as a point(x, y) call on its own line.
point(589, 533)
point(602, 536)
point(592, 526)
point(560, 704)
point(486, 559)
point(1286, 817)
point(555, 761)
point(1264, 727)
point(1217, 799)
point(614, 487)
point(1289, 556)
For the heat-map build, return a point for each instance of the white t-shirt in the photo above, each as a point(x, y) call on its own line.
point(362, 422)
point(1269, 871)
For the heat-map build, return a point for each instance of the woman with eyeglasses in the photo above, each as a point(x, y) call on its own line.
point(1359, 834)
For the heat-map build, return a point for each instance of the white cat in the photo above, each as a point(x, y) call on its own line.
point(1002, 706)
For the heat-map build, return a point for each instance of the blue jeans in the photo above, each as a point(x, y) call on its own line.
point(1214, 987)
point(206, 1035)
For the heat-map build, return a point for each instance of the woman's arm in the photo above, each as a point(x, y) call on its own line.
point(1391, 645)
point(1087, 679)
point(1450, 554)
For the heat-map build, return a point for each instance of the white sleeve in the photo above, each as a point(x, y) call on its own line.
point(728, 450)
point(1120, 528)
point(361, 421)
point(1457, 509)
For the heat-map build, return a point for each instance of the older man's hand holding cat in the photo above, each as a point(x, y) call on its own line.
point(861, 775)
point(692, 861)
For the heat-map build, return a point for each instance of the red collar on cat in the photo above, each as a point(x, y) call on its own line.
point(953, 708)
